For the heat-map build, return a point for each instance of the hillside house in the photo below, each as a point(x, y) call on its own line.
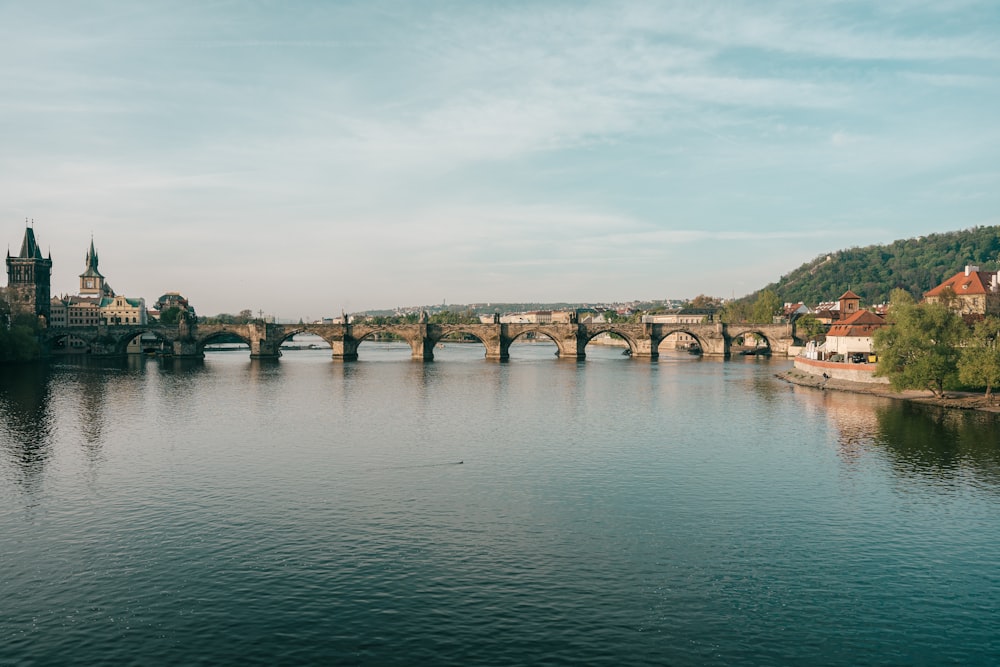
point(969, 293)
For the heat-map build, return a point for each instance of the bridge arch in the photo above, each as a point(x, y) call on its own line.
point(221, 335)
point(123, 341)
point(320, 331)
point(701, 341)
point(525, 334)
point(778, 337)
point(565, 338)
point(66, 341)
point(747, 342)
point(288, 334)
point(437, 334)
point(410, 334)
point(594, 332)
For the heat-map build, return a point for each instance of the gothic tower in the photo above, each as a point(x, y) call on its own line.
point(91, 280)
point(29, 277)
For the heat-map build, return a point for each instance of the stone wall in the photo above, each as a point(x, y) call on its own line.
point(841, 371)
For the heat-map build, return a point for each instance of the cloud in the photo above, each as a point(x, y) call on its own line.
point(436, 143)
point(840, 138)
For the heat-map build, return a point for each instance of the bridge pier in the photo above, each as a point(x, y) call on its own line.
point(265, 349)
point(422, 347)
point(105, 345)
point(573, 348)
point(644, 349)
point(500, 351)
point(344, 349)
point(187, 349)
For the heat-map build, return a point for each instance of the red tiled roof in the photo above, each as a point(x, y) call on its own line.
point(860, 324)
point(975, 283)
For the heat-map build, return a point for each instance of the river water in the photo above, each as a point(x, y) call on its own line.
point(463, 512)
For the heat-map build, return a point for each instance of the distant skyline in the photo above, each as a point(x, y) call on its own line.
point(300, 158)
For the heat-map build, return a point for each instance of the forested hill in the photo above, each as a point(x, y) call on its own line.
point(915, 265)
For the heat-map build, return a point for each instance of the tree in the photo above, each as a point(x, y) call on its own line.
point(704, 301)
point(765, 307)
point(809, 327)
point(18, 340)
point(736, 311)
point(4, 312)
point(979, 362)
point(920, 347)
point(170, 315)
point(900, 297)
point(453, 317)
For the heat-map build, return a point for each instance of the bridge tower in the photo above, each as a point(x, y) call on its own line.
point(91, 280)
point(29, 278)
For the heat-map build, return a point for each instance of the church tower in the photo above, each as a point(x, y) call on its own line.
point(29, 277)
point(91, 280)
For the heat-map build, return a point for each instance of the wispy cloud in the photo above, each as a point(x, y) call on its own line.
point(474, 140)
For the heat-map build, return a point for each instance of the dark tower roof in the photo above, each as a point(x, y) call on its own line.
point(29, 247)
point(91, 260)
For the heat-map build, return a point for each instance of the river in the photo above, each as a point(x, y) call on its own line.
point(463, 512)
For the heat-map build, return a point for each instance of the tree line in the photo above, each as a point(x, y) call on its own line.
point(18, 335)
point(928, 346)
point(915, 265)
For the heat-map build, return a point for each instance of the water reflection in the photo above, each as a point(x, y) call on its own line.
point(919, 442)
point(263, 371)
point(92, 396)
point(26, 429)
point(941, 444)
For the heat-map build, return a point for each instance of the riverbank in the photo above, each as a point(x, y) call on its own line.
point(952, 399)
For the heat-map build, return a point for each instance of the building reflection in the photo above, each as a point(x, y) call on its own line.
point(919, 442)
point(92, 393)
point(26, 431)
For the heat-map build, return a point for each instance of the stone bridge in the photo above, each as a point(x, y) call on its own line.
point(188, 339)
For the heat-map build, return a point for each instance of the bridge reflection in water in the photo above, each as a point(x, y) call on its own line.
point(188, 339)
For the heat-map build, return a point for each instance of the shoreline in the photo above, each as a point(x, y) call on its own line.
point(959, 400)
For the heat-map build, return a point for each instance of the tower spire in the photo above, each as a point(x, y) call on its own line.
point(91, 280)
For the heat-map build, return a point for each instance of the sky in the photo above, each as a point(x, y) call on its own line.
point(302, 158)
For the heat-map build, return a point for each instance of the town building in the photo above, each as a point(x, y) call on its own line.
point(96, 304)
point(851, 339)
point(173, 300)
point(29, 277)
point(123, 310)
point(72, 311)
point(970, 293)
point(848, 353)
point(829, 312)
point(792, 311)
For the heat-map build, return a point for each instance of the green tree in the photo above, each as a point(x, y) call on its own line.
point(900, 297)
point(18, 336)
point(4, 312)
point(979, 362)
point(920, 348)
point(453, 317)
point(765, 307)
point(170, 316)
point(916, 265)
point(809, 327)
point(736, 311)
